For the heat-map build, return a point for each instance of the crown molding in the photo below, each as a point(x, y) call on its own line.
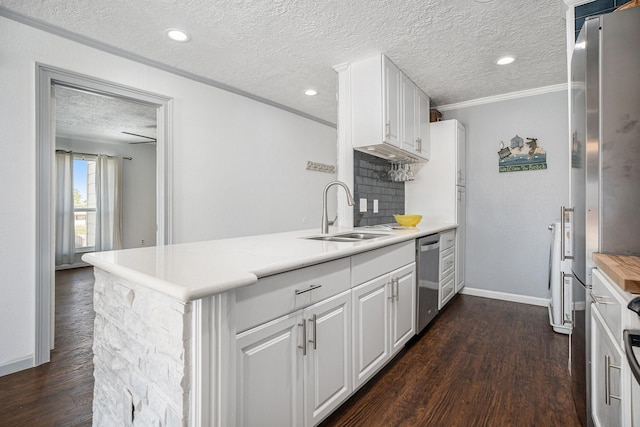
point(504, 97)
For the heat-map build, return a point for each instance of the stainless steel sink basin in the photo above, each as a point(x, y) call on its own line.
point(347, 237)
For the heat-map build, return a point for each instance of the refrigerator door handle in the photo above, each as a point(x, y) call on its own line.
point(563, 212)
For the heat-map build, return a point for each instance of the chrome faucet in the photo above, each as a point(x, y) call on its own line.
point(325, 220)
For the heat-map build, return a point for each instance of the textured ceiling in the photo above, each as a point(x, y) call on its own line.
point(275, 49)
point(99, 118)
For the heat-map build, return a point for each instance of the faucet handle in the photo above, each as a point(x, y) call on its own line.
point(334, 220)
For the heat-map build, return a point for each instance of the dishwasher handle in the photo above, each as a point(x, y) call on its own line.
point(433, 246)
point(632, 339)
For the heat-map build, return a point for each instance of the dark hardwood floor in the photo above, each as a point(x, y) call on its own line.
point(59, 393)
point(482, 362)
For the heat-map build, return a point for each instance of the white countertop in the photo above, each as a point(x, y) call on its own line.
point(191, 271)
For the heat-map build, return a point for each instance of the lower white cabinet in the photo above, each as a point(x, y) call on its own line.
point(447, 268)
point(296, 369)
point(383, 320)
point(606, 375)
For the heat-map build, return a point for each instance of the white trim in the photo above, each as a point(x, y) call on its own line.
point(345, 170)
point(16, 365)
point(503, 296)
point(574, 3)
point(87, 41)
point(504, 97)
point(46, 76)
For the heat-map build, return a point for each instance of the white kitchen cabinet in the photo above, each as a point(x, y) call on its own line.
point(409, 115)
point(392, 103)
point(461, 232)
point(447, 268)
point(422, 125)
point(383, 320)
point(384, 304)
point(389, 113)
point(296, 368)
point(606, 366)
point(403, 307)
point(269, 374)
point(438, 191)
point(327, 365)
point(611, 377)
point(371, 322)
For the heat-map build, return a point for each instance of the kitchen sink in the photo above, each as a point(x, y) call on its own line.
point(347, 237)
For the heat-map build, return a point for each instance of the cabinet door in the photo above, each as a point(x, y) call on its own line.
point(268, 376)
point(461, 232)
point(327, 365)
point(460, 155)
point(391, 104)
point(370, 328)
point(606, 384)
point(408, 134)
point(422, 125)
point(403, 306)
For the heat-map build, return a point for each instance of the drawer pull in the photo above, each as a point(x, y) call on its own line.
point(599, 299)
point(607, 380)
point(303, 325)
point(314, 341)
point(310, 288)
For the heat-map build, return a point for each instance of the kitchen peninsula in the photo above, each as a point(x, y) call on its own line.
point(278, 326)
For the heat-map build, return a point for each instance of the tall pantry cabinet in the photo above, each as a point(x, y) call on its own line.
point(438, 192)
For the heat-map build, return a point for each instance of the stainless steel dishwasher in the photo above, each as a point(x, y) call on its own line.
point(428, 263)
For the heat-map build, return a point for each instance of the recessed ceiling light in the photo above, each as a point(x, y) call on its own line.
point(311, 92)
point(177, 35)
point(505, 60)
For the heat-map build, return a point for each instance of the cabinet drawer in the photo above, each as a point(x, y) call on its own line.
point(447, 239)
point(447, 262)
point(369, 265)
point(281, 294)
point(608, 304)
point(447, 290)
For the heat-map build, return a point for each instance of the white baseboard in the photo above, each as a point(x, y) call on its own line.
point(542, 302)
point(16, 365)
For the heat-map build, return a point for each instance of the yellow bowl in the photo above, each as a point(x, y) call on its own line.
point(408, 220)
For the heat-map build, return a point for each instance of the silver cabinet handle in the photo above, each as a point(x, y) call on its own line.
point(599, 299)
point(563, 211)
point(310, 288)
point(607, 380)
point(397, 289)
point(314, 341)
point(304, 337)
point(387, 127)
point(392, 297)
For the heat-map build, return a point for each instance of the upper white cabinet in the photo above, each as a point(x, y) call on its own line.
point(389, 113)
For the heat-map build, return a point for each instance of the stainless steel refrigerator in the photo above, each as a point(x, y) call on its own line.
point(605, 167)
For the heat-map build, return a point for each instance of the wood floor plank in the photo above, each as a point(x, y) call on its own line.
point(481, 363)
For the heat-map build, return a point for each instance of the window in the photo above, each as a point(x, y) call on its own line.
point(84, 202)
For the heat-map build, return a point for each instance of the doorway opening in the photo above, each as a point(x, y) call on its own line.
point(107, 134)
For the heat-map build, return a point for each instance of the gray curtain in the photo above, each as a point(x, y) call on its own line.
point(108, 203)
point(65, 230)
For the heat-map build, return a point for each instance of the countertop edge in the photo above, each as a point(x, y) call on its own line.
point(234, 279)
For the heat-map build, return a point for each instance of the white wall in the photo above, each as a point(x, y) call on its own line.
point(508, 213)
point(238, 165)
point(138, 186)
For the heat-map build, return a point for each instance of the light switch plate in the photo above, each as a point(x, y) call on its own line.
point(363, 205)
point(375, 205)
